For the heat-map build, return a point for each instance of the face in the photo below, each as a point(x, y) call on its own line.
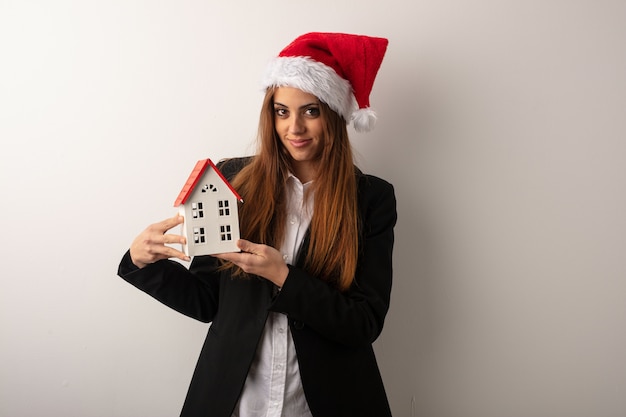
point(299, 126)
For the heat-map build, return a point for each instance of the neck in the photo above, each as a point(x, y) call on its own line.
point(304, 171)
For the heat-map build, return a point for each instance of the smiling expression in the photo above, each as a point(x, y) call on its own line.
point(299, 126)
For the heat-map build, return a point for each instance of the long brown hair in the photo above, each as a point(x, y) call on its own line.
point(333, 250)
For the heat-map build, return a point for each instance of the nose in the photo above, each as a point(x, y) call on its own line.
point(297, 125)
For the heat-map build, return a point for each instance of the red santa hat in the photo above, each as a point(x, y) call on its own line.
point(337, 68)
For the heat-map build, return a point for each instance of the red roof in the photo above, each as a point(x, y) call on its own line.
point(194, 178)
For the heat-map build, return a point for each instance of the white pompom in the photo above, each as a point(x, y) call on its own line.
point(364, 120)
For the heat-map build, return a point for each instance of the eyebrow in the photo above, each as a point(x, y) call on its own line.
point(301, 107)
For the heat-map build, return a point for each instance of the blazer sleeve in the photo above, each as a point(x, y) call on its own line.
point(354, 317)
point(193, 292)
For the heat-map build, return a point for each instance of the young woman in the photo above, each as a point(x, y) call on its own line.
point(294, 314)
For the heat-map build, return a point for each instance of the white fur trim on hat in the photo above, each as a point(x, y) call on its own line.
point(314, 78)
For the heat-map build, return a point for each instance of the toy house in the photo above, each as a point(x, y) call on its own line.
point(209, 205)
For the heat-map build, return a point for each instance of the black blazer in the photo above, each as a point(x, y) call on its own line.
point(332, 331)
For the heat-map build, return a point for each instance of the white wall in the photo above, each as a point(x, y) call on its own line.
point(501, 125)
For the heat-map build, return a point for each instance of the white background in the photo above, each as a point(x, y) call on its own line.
point(501, 125)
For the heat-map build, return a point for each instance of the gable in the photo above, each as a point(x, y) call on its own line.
point(198, 172)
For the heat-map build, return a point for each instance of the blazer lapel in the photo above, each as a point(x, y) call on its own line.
point(304, 248)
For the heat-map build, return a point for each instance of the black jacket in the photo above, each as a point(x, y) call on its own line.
point(332, 331)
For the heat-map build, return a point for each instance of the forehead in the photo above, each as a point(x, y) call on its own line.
point(290, 96)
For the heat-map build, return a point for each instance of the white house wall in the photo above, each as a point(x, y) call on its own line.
point(211, 221)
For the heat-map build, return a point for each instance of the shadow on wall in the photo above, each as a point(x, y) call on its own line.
point(413, 117)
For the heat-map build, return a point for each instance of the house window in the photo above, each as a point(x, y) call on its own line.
point(225, 234)
point(224, 208)
point(197, 210)
point(209, 187)
point(198, 235)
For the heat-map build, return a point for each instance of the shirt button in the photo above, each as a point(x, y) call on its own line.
point(292, 220)
point(281, 330)
point(285, 256)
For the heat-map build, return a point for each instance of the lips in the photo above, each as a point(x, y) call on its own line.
point(299, 143)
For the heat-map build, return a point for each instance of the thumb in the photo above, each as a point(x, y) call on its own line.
point(246, 245)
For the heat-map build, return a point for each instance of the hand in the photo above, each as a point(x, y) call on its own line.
point(261, 260)
point(149, 246)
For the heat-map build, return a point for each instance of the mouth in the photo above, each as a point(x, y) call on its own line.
point(298, 143)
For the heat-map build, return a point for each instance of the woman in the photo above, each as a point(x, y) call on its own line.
point(295, 313)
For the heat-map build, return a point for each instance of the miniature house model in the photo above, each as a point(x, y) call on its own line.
point(209, 205)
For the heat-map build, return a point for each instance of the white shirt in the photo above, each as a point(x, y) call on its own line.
point(273, 386)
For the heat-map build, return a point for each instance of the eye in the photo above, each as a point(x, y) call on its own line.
point(280, 112)
point(312, 112)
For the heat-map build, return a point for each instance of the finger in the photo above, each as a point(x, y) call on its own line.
point(235, 257)
point(173, 253)
point(168, 224)
point(173, 239)
point(166, 252)
point(246, 261)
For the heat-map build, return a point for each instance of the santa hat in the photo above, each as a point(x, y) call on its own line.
point(337, 68)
